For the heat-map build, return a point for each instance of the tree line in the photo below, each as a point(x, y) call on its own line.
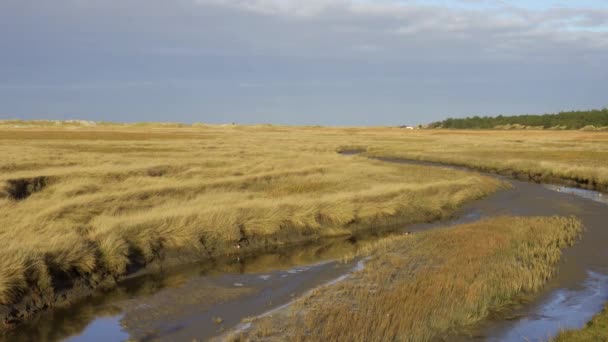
point(562, 120)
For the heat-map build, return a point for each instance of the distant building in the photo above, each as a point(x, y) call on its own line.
point(406, 127)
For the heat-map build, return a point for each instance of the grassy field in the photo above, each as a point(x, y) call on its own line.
point(98, 202)
point(90, 201)
point(428, 286)
point(595, 331)
point(577, 157)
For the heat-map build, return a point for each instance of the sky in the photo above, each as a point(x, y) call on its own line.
point(326, 62)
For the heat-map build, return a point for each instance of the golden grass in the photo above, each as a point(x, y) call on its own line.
point(99, 200)
point(595, 331)
point(428, 286)
point(581, 157)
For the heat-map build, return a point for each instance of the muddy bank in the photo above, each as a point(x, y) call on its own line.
point(70, 287)
point(314, 263)
point(207, 297)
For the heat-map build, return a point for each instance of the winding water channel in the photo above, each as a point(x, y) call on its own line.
point(203, 300)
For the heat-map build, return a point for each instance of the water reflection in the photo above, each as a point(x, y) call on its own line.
point(200, 282)
point(102, 330)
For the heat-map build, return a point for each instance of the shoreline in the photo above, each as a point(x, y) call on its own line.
point(79, 287)
point(536, 178)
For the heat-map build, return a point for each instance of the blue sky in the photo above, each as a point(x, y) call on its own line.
point(332, 62)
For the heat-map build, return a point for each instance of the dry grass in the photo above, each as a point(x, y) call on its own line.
point(101, 200)
point(595, 331)
point(428, 286)
point(574, 155)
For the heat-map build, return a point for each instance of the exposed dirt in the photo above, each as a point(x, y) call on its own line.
point(20, 189)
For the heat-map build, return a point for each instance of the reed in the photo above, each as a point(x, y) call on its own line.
point(428, 286)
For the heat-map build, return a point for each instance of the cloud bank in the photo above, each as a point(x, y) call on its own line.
point(315, 61)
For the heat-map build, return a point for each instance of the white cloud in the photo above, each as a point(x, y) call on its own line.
point(282, 7)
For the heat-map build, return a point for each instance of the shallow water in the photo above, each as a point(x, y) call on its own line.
point(101, 330)
point(202, 300)
point(588, 194)
point(580, 288)
point(561, 309)
point(194, 301)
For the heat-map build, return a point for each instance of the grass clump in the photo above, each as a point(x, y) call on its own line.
point(431, 285)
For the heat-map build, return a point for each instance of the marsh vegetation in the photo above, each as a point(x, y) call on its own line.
point(114, 200)
point(429, 286)
point(81, 206)
point(574, 158)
